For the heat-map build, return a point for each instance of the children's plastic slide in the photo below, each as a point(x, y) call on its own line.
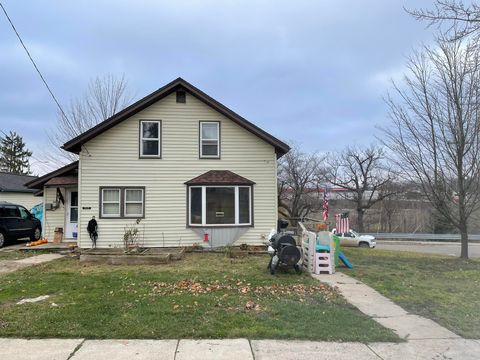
point(345, 260)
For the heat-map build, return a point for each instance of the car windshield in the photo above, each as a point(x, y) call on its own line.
point(354, 233)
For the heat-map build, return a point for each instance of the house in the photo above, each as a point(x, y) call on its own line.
point(187, 167)
point(60, 201)
point(13, 189)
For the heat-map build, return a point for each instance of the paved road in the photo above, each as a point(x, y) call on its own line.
point(452, 249)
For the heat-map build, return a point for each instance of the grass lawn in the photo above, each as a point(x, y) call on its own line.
point(202, 296)
point(7, 254)
point(444, 289)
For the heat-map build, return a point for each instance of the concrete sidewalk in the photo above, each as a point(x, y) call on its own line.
point(7, 266)
point(233, 349)
point(385, 311)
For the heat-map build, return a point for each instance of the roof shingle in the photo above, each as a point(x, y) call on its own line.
point(219, 177)
point(15, 183)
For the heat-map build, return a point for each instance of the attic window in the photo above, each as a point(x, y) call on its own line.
point(181, 97)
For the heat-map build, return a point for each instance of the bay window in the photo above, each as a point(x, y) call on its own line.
point(220, 205)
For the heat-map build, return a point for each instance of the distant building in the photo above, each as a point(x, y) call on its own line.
point(13, 189)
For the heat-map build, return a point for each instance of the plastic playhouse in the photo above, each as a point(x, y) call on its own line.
point(321, 251)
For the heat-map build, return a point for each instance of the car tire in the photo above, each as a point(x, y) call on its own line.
point(36, 234)
point(3, 239)
point(364, 245)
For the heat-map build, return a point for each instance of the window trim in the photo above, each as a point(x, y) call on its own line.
point(141, 138)
point(200, 140)
point(204, 206)
point(122, 202)
point(125, 202)
point(119, 202)
point(72, 207)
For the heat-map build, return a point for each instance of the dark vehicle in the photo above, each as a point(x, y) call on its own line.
point(16, 222)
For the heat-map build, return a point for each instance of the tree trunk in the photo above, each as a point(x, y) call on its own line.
point(464, 240)
point(360, 220)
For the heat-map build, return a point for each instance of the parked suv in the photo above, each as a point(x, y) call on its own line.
point(352, 238)
point(16, 222)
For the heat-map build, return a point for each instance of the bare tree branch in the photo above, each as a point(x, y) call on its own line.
point(297, 183)
point(104, 97)
point(364, 173)
point(434, 135)
point(457, 19)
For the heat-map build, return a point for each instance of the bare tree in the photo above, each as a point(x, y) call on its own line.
point(434, 135)
point(105, 96)
point(364, 174)
point(461, 20)
point(297, 184)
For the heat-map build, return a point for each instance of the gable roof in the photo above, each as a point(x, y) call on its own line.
point(219, 177)
point(74, 145)
point(10, 182)
point(38, 183)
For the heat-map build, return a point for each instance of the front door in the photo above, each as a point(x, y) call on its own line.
point(71, 215)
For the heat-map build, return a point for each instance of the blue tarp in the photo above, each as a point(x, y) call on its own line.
point(37, 211)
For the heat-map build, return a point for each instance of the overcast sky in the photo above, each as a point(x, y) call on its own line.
point(310, 72)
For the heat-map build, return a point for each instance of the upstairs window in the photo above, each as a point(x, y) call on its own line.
point(150, 139)
point(209, 140)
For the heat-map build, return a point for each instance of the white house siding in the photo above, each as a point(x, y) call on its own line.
point(21, 198)
point(112, 159)
point(53, 218)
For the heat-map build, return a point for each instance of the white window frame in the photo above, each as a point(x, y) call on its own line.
point(72, 207)
point(159, 139)
point(125, 202)
point(217, 139)
point(237, 204)
point(119, 202)
point(204, 205)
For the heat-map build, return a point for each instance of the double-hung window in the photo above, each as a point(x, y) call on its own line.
point(110, 202)
point(209, 139)
point(122, 202)
point(150, 139)
point(220, 205)
point(133, 203)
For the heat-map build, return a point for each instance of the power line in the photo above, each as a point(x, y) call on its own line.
point(33, 62)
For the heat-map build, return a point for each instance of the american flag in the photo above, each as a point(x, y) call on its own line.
point(325, 204)
point(342, 223)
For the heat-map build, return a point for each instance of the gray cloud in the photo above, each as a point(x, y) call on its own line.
point(309, 71)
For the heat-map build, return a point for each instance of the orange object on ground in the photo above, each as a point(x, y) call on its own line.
point(38, 242)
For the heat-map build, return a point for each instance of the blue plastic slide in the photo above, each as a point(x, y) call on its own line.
point(345, 260)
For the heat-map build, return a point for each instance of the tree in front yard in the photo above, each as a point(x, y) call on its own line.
point(14, 155)
point(434, 135)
